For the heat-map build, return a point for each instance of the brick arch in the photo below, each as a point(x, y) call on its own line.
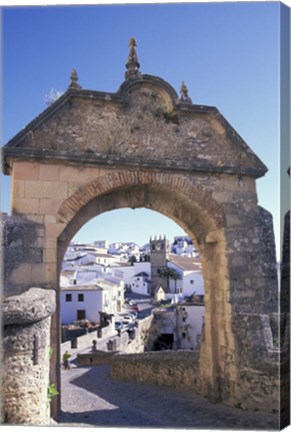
point(184, 189)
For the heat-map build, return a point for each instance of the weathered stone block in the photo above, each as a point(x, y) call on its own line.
point(18, 189)
point(45, 189)
point(26, 342)
point(25, 206)
point(49, 206)
point(25, 170)
point(49, 172)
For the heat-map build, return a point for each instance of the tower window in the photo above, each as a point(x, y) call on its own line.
point(68, 297)
point(80, 297)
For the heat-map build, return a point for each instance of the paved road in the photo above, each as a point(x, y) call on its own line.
point(90, 397)
point(144, 304)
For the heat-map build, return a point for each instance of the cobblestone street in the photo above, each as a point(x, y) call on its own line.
point(90, 397)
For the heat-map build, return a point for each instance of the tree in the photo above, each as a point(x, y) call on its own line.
point(170, 273)
point(53, 95)
point(132, 259)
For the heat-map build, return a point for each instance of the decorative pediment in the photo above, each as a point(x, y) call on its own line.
point(143, 124)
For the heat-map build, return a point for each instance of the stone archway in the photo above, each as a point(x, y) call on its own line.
point(143, 146)
point(199, 215)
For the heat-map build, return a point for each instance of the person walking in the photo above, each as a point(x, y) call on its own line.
point(66, 361)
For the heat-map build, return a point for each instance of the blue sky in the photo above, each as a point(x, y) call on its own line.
point(227, 53)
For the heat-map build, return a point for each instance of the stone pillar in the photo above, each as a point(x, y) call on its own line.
point(254, 298)
point(26, 349)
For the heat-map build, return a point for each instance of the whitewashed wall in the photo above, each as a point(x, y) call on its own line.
point(92, 304)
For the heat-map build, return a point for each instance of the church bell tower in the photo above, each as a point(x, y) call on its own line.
point(160, 249)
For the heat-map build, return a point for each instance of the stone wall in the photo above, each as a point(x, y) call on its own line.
point(121, 343)
point(22, 243)
point(26, 345)
point(178, 369)
point(95, 358)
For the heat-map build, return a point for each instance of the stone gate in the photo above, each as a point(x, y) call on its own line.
point(91, 152)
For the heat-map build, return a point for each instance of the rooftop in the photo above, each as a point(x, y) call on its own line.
point(186, 263)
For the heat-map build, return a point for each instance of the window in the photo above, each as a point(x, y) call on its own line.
point(191, 282)
point(183, 319)
point(183, 335)
point(153, 247)
point(68, 297)
point(81, 314)
point(80, 297)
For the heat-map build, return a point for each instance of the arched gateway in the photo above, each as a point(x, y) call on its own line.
point(91, 152)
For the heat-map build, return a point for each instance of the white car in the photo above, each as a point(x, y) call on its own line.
point(127, 319)
point(132, 303)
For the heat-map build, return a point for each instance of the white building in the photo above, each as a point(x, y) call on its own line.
point(82, 259)
point(124, 250)
point(141, 278)
point(101, 244)
point(126, 269)
point(190, 320)
point(80, 276)
point(88, 301)
point(191, 278)
point(82, 302)
point(183, 246)
point(140, 283)
point(104, 259)
point(179, 327)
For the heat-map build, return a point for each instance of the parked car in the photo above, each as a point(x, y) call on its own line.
point(132, 303)
point(127, 319)
point(118, 325)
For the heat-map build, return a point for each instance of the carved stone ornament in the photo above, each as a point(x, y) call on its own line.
point(74, 80)
point(132, 64)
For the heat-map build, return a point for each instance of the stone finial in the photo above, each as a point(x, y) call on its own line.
point(184, 94)
point(132, 64)
point(74, 80)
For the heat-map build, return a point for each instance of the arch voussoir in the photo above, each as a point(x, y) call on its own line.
point(181, 186)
